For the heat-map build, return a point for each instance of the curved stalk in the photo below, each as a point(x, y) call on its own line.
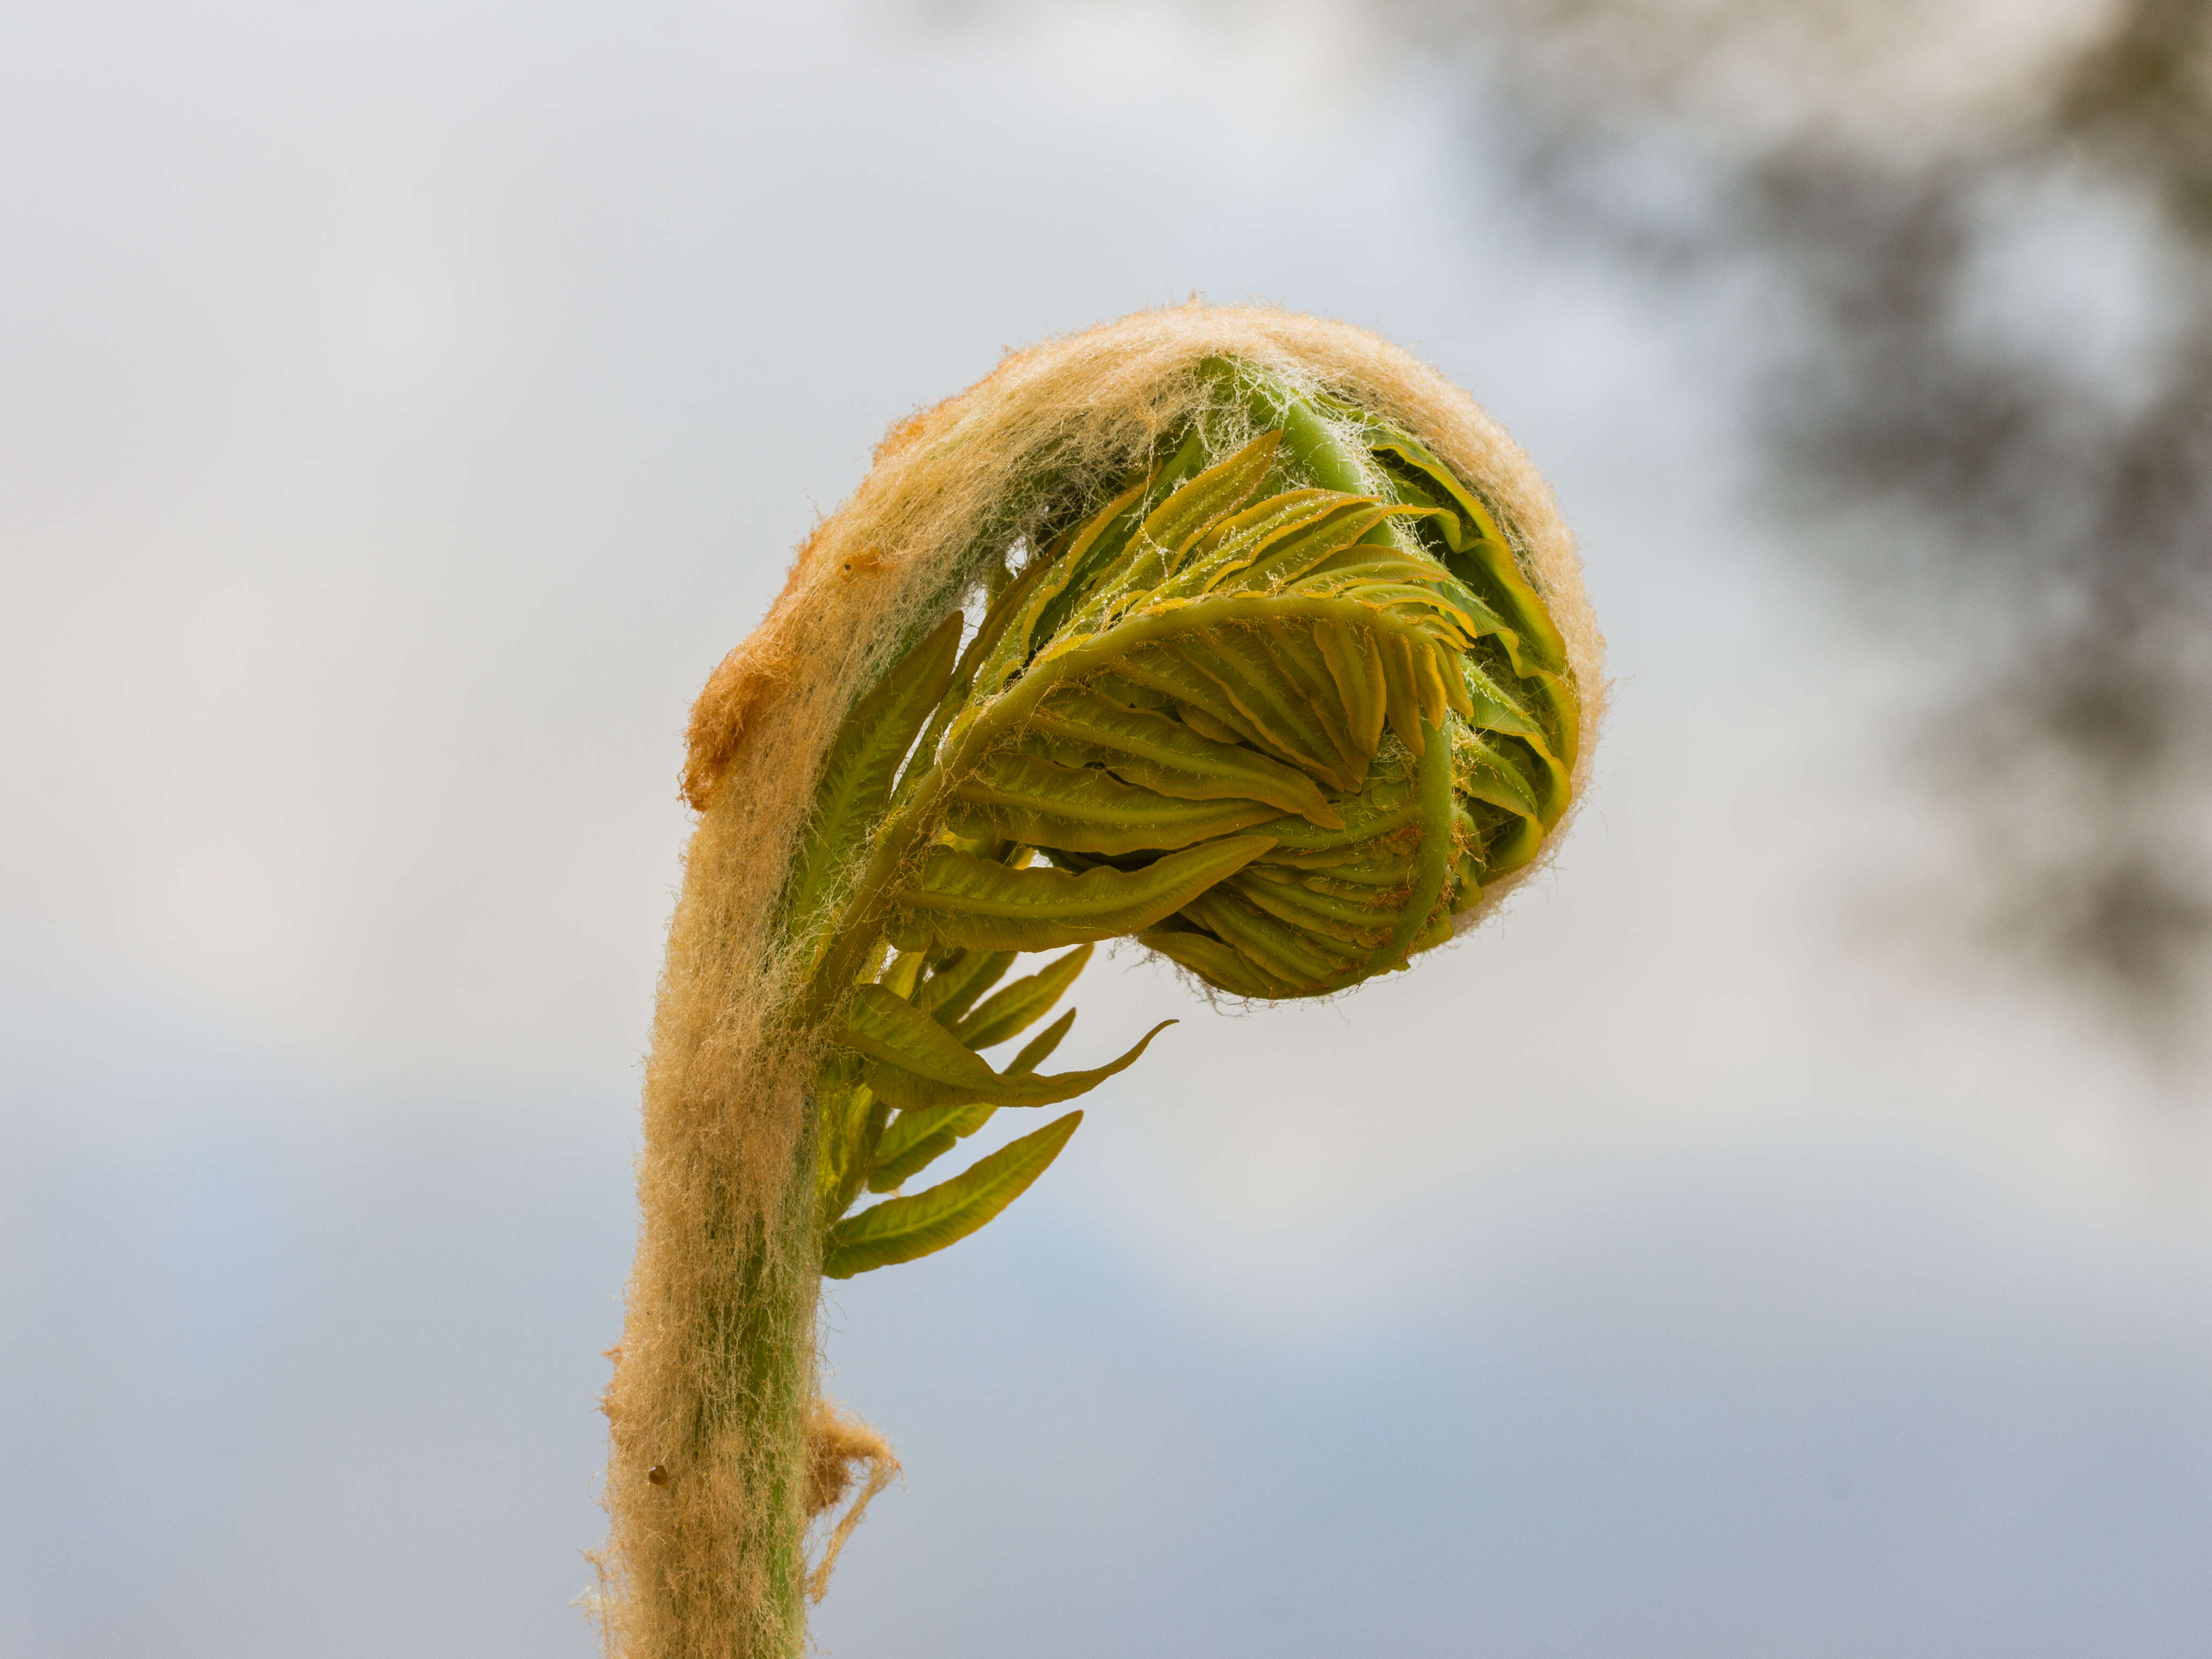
point(1283, 714)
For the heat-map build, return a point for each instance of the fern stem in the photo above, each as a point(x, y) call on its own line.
point(1281, 741)
point(752, 1413)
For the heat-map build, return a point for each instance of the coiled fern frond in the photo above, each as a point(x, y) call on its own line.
point(1236, 634)
point(1279, 716)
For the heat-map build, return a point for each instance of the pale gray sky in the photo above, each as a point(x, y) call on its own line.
point(403, 409)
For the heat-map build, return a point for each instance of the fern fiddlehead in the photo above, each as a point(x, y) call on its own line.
point(1284, 699)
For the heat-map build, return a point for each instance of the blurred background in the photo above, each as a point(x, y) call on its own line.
point(1784, 1233)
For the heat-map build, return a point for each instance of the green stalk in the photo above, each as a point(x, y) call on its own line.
point(1264, 729)
point(753, 1410)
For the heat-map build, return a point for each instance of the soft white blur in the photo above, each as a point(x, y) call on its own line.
point(402, 409)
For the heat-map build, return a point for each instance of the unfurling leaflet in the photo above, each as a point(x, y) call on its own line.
point(1280, 709)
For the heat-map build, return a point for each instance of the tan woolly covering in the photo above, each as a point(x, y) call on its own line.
point(836, 1446)
point(728, 1152)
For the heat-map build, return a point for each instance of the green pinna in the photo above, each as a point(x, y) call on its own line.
point(1238, 634)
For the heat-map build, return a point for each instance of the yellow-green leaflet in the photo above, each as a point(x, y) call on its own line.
point(980, 905)
point(852, 1119)
point(911, 1061)
point(1472, 531)
point(1484, 773)
point(1039, 1048)
point(1040, 803)
point(901, 1228)
point(1182, 517)
point(1236, 541)
point(863, 761)
point(1212, 496)
point(1108, 534)
point(916, 1139)
point(1079, 726)
point(954, 983)
point(1217, 962)
point(1012, 1011)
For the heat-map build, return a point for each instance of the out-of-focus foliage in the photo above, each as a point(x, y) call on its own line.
point(1981, 386)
